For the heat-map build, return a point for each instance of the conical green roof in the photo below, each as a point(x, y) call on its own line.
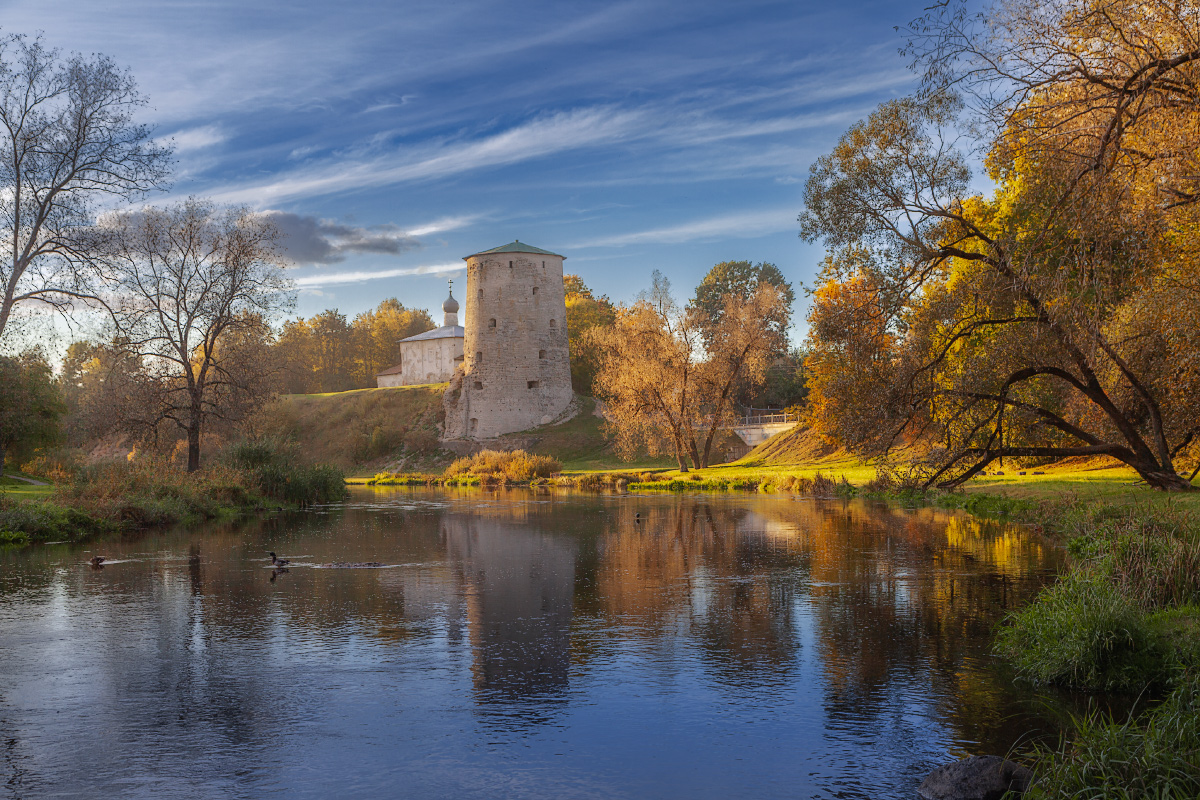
point(514, 247)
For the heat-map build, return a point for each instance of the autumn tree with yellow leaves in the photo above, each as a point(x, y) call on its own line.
point(1058, 316)
point(585, 311)
point(669, 375)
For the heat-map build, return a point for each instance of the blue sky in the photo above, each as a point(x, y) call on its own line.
point(392, 139)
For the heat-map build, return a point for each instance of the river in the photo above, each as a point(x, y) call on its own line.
point(517, 644)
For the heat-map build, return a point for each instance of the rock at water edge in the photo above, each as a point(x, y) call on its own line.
point(975, 778)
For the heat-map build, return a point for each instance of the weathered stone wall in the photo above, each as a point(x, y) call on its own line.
point(516, 371)
point(428, 360)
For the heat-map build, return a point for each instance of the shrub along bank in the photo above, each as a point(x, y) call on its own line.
point(1125, 617)
point(147, 492)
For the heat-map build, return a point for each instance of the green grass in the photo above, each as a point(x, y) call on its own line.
point(359, 430)
point(11, 487)
point(579, 444)
point(1084, 633)
point(1126, 614)
point(150, 493)
point(1155, 756)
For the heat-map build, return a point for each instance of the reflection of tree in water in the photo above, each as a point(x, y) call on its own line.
point(900, 595)
point(708, 568)
point(896, 600)
point(519, 585)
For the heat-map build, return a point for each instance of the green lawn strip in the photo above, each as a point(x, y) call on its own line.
point(24, 491)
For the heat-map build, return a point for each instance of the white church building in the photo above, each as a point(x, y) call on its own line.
point(429, 357)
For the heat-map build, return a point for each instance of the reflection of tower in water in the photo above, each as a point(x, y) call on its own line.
point(520, 585)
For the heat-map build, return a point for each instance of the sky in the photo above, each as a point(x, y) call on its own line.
point(388, 140)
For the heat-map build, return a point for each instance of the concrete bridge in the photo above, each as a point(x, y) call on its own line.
point(756, 428)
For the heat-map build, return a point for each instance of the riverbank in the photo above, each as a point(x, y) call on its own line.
point(151, 493)
point(1124, 618)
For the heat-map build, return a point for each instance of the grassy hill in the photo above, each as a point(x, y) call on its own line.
point(365, 431)
point(579, 443)
point(802, 453)
point(360, 428)
point(371, 430)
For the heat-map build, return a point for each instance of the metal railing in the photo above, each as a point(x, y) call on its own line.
point(758, 418)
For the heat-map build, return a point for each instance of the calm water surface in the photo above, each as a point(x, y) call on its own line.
point(517, 645)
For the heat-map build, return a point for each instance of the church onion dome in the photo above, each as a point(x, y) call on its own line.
point(451, 305)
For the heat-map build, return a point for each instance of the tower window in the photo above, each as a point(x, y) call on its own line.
point(478, 384)
point(478, 356)
point(474, 425)
point(531, 384)
point(535, 290)
point(510, 265)
point(491, 323)
point(481, 294)
point(553, 324)
point(542, 354)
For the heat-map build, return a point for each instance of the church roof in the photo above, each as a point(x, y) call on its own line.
point(514, 247)
point(390, 371)
point(444, 332)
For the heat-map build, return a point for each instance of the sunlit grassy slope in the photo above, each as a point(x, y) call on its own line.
point(20, 490)
point(801, 453)
point(580, 444)
point(338, 427)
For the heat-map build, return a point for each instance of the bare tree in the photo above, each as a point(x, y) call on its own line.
point(195, 286)
point(67, 139)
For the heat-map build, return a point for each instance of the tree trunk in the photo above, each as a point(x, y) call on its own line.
point(1164, 480)
point(680, 454)
point(193, 435)
point(193, 439)
point(1154, 474)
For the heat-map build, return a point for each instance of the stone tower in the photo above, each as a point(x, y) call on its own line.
point(516, 373)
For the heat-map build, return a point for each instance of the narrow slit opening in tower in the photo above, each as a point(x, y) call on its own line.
point(532, 384)
point(478, 384)
point(542, 354)
point(491, 323)
point(474, 425)
point(553, 324)
point(478, 356)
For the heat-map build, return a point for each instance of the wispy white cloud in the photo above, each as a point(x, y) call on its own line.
point(747, 225)
point(545, 135)
point(308, 282)
point(299, 153)
point(384, 106)
point(444, 224)
point(197, 138)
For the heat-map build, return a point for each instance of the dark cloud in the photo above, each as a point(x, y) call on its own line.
point(310, 240)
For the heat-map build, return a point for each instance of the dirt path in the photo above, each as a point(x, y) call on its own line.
point(34, 481)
